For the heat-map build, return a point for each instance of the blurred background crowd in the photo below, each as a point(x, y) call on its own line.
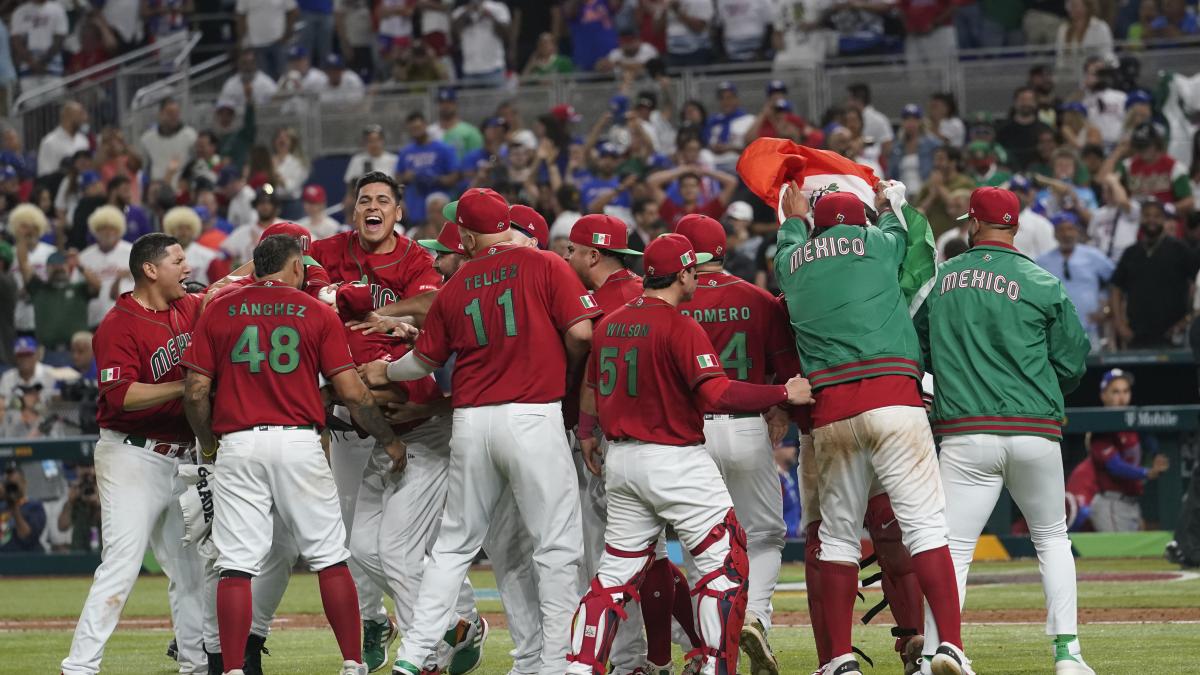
point(261, 110)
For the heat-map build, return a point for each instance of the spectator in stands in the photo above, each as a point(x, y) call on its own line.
point(206, 163)
point(113, 156)
point(1061, 192)
point(264, 28)
point(28, 224)
point(1177, 20)
point(911, 160)
point(778, 119)
point(1075, 128)
point(593, 28)
point(39, 28)
point(165, 18)
point(481, 29)
point(239, 245)
point(424, 165)
point(248, 84)
point(726, 131)
point(487, 157)
point(342, 86)
point(875, 125)
point(22, 520)
point(167, 146)
point(1041, 80)
point(29, 373)
point(184, 224)
point(373, 157)
point(945, 178)
point(234, 142)
point(83, 359)
point(744, 26)
point(983, 165)
point(569, 211)
point(119, 193)
point(1153, 285)
point(545, 59)
point(988, 24)
point(60, 301)
point(354, 23)
point(81, 512)
point(451, 129)
point(1141, 30)
point(1114, 226)
point(860, 25)
point(606, 186)
point(862, 148)
point(689, 178)
point(1083, 33)
point(1139, 110)
point(395, 31)
point(71, 191)
point(316, 36)
point(1036, 236)
point(943, 120)
point(107, 260)
point(958, 202)
point(300, 75)
point(629, 58)
point(8, 304)
point(800, 37)
point(124, 19)
point(290, 164)
point(1019, 135)
point(655, 123)
point(214, 229)
point(689, 33)
point(789, 482)
point(1105, 103)
point(1117, 460)
point(315, 219)
point(64, 140)
point(647, 225)
point(237, 197)
point(97, 44)
point(1084, 271)
point(1041, 20)
point(929, 31)
point(1150, 172)
point(8, 70)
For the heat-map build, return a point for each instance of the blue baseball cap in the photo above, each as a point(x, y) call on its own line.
point(229, 173)
point(1116, 373)
point(607, 149)
point(334, 60)
point(496, 121)
point(1137, 96)
point(297, 52)
point(910, 110)
point(447, 94)
point(618, 103)
point(1065, 217)
point(201, 212)
point(7, 172)
point(25, 345)
point(1074, 106)
point(783, 104)
point(726, 85)
point(776, 87)
point(1019, 182)
point(88, 178)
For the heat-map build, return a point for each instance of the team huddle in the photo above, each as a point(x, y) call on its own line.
point(294, 416)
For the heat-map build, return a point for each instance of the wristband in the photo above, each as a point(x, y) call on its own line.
point(587, 425)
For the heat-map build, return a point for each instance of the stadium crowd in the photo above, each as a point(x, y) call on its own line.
point(1107, 208)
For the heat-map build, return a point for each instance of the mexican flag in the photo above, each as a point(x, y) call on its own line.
point(110, 375)
point(707, 360)
point(767, 164)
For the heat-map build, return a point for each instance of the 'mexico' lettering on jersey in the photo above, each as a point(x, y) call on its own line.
point(827, 247)
point(168, 356)
point(982, 280)
point(267, 309)
point(627, 329)
point(491, 278)
point(718, 314)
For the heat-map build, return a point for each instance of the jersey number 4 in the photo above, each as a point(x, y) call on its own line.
point(475, 311)
point(610, 357)
point(734, 355)
point(283, 358)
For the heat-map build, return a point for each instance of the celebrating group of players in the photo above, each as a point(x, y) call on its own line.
point(590, 408)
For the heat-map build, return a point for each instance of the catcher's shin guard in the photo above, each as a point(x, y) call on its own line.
point(721, 606)
point(601, 611)
point(901, 588)
point(813, 586)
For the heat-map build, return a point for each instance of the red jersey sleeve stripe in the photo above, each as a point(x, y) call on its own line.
point(706, 376)
point(191, 366)
point(586, 315)
point(859, 364)
point(426, 359)
point(339, 369)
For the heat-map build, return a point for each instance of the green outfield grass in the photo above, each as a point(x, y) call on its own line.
point(29, 646)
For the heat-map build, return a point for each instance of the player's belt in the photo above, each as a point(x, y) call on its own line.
point(158, 447)
point(734, 416)
point(284, 427)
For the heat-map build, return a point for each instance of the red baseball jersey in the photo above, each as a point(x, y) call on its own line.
point(619, 288)
point(404, 272)
point(367, 348)
point(647, 359)
point(503, 313)
point(744, 322)
point(315, 278)
point(135, 344)
point(1128, 446)
point(264, 345)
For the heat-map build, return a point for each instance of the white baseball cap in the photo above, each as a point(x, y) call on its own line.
point(740, 211)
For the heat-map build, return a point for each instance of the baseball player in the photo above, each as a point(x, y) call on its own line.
point(1004, 344)
point(508, 308)
point(858, 347)
point(263, 346)
point(400, 273)
point(144, 436)
point(653, 373)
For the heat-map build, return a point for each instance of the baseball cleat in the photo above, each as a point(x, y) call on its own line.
point(404, 668)
point(911, 654)
point(651, 668)
point(255, 648)
point(694, 666)
point(353, 668)
point(1068, 659)
point(216, 662)
point(466, 645)
point(239, 671)
point(754, 644)
point(173, 650)
point(845, 664)
point(950, 660)
point(377, 637)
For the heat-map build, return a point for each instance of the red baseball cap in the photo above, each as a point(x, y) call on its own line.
point(602, 231)
point(705, 234)
point(447, 240)
point(313, 194)
point(481, 210)
point(354, 300)
point(993, 205)
point(290, 229)
point(671, 253)
point(565, 113)
point(839, 208)
point(530, 223)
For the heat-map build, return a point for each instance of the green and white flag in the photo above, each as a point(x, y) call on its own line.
point(110, 375)
point(707, 361)
point(919, 267)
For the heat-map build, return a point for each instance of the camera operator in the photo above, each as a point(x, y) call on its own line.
point(80, 515)
point(80, 393)
point(26, 415)
point(21, 519)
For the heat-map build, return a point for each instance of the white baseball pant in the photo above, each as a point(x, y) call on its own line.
point(139, 507)
point(509, 547)
point(522, 447)
point(348, 455)
point(1116, 512)
point(974, 469)
point(396, 519)
point(894, 445)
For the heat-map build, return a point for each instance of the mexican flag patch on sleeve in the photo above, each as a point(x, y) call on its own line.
point(110, 375)
point(588, 301)
point(707, 361)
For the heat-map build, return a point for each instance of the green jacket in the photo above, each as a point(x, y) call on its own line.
point(1003, 342)
point(848, 312)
